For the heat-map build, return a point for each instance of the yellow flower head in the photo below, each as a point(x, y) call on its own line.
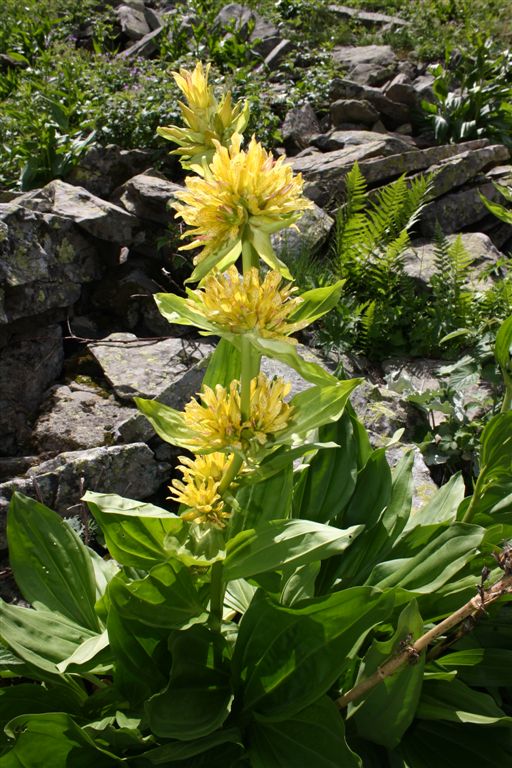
point(240, 304)
point(216, 418)
point(239, 193)
point(199, 489)
point(206, 120)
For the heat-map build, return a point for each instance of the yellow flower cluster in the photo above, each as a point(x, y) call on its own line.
point(206, 120)
point(241, 304)
point(199, 488)
point(238, 192)
point(216, 418)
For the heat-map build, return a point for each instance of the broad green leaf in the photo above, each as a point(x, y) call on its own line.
point(453, 700)
point(198, 698)
point(219, 259)
point(51, 566)
point(496, 442)
point(280, 543)
point(317, 302)
point(181, 750)
point(442, 507)
point(41, 638)
point(85, 652)
point(142, 535)
point(300, 585)
point(317, 406)
point(141, 652)
point(257, 501)
point(367, 505)
point(503, 348)
point(168, 423)
point(16, 700)
point(385, 713)
point(432, 566)
point(53, 739)
point(178, 311)
point(481, 667)
point(315, 736)
point(286, 353)
point(224, 365)
point(323, 633)
point(263, 246)
point(328, 482)
point(165, 598)
point(450, 745)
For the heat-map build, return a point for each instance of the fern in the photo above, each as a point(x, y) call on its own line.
point(371, 237)
point(453, 302)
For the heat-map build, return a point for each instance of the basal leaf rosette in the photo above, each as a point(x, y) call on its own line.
point(207, 121)
point(238, 200)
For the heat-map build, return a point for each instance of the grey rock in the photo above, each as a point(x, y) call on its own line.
point(327, 166)
point(352, 110)
point(128, 470)
point(423, 87)
point(392, 112)
point(277, 54)
point(419, 260)
point(401, 90)
point(132, 21)
point(127, 295)
point(77, 417)
point(381, 411)
point(95, 216)
point(309, 233)
point(368, 18)
point(235, 16)
point(28, 365)
point(154, 19)
point(456, 210)
point(455, 171)
point(299, 125)
point(337, 139)
point(148, 197)
point(146, 47)
point(102, 169)
point(142, 368)
point(44, 260)
point(366, 64)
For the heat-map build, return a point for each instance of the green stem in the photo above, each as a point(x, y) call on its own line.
point(231, 472)
point(507, 399)
point(468, 515)
point(250, 256)
point(216, 597)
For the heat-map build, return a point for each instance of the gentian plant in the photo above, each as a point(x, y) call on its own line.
point(295, 610)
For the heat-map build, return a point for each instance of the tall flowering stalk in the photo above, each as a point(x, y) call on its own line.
point(237, 198)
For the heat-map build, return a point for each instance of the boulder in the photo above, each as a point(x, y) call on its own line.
point(401, 90)
point(148, 197)
point(76, 417)
point(146, 47)
point(128, 470)
point(337, 139)
point(366, 64)
point(299, 126)
point(277, 54)
point(419, 260)
point(309, 233)
point(393, 113)
point(102, 169)
point(148, 368)
point(95, 216)
point(353, 110)
point(44, 260)
point(455, 171)
point(367, 18)
point(456, 210)
point(132, 21)
point(28, 365)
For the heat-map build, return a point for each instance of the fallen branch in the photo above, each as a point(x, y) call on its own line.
point(411, 652)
